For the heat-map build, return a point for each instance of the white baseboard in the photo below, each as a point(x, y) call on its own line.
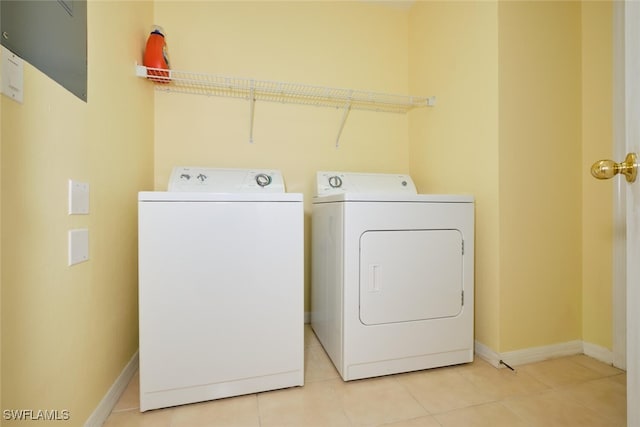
point(487, 354)
point(599, 353)
point(102, 411)
point(537, 354)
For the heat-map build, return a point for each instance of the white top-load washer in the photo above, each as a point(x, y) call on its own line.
point(392, 274)
point(220, 286)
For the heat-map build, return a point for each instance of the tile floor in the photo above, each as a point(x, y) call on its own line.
point(571, 391)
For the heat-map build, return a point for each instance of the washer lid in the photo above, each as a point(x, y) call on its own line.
point(370, 183)
point(216, 180)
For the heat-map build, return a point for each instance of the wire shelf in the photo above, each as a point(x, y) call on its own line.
point(273, 91)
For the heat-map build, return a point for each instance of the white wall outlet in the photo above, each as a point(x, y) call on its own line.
point(12, 75)
point(78, 246)
point(78, 198)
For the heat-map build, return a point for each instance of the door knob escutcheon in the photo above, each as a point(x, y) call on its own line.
point(605, 169)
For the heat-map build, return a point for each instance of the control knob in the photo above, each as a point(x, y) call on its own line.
point(262, 179)
point(335, 181)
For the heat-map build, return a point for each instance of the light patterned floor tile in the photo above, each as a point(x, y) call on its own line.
point(240, 411)
point(310, 339)
point(555, 409)
point(501, 383)
point(488, 415)
point(602, 368)
point(606, 396)
point(620, 379)
point(130, 399)
point(561, 371)
point(318, 365)
point(134, 418)
point(442, 390)
point(314, 405)
point(427, 421)
point(377, 400)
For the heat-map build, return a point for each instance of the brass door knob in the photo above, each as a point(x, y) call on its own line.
point(605, 169)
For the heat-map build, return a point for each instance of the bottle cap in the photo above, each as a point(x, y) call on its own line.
point(158, 30)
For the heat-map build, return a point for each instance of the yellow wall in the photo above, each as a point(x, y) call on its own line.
point(597, 196)
point(512, 80)
point(67, 332)
point(540, 173)
point(336, 44)
point(454, 146)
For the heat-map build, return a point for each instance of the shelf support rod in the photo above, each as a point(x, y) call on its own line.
point(252, 104)
point(345, 114)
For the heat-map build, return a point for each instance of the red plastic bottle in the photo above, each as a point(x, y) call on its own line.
point(155, 56)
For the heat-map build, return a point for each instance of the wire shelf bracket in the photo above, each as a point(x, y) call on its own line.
point(283, 92)
point(252, 106)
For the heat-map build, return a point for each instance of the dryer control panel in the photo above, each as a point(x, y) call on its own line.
point(216, 180)
point(328, 182)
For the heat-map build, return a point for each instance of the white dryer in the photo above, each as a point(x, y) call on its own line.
point(392, 274)
point(221, 285)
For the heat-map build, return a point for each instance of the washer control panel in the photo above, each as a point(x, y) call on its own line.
point(328, 182)
point(216, 180)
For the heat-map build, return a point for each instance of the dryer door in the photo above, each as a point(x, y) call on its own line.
point(409, 275)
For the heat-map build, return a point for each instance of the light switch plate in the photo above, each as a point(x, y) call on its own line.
point(78, 198)
point(12, 75)
point(78, 246)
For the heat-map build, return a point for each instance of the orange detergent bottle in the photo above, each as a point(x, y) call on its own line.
point(155, 56)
